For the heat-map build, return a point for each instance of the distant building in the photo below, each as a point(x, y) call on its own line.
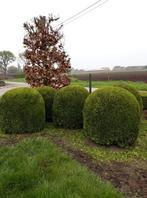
point(129, 68)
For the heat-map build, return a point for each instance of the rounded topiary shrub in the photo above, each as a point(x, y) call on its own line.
point(68, 106)
point(133, 91)
point(143, 95)
point(48, 96)
point(112, 117)
point(22, 110)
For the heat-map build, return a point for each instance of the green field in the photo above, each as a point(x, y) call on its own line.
point(97, 84)
point(100, 84)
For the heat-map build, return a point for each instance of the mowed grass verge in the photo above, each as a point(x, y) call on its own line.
point(36, 168)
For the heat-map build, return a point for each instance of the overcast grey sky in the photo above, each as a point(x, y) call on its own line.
point(111, 35)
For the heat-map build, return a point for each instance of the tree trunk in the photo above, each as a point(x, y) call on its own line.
point(5, 73)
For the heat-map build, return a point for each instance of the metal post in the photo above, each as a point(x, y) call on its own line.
point(90, 83)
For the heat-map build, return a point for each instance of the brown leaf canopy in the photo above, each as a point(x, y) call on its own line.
point(47, 62)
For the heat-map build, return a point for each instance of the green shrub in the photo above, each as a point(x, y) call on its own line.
point(22, 110)
point(143, 95)
point(48, 96)
point(112, 116)
point(133, 91)
point(68, 106)
point(2, 83)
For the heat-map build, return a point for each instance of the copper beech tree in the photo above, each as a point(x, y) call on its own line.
point(46, 61)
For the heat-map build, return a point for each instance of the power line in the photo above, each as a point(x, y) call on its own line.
point(79, 14)
point(75, 18)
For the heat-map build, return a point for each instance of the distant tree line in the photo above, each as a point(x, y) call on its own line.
point(10, 65)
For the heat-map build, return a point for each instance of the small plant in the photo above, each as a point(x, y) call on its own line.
point(112, 116)
point(133, 91)
point(68, 106)
point(48, 96)
point(143, 95)
point(22, 110)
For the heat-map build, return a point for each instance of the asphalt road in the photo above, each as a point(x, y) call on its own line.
point(11, 85)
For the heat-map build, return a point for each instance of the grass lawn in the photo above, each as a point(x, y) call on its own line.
point(100, 84)
point(16, 80)
point(76, 139)
point(97, 84)
point(36, 168)
point(63, 163)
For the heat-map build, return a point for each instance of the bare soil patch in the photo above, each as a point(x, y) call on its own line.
point(145, 114)
point(11, 140)
point(112, 148)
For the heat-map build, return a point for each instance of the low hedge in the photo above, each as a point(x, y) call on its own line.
point(22, 110)
point(143, 95)
point(133, 91)
point(112, 117)
point(48, 96)
point(68, 106)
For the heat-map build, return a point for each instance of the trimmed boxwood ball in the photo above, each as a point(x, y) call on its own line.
point(133, 91)
point(22, 110)
point(143, 95)
point(112, 117)
point(48, 96)
point(68, 106)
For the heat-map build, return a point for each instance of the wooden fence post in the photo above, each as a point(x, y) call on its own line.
point(90, 83)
